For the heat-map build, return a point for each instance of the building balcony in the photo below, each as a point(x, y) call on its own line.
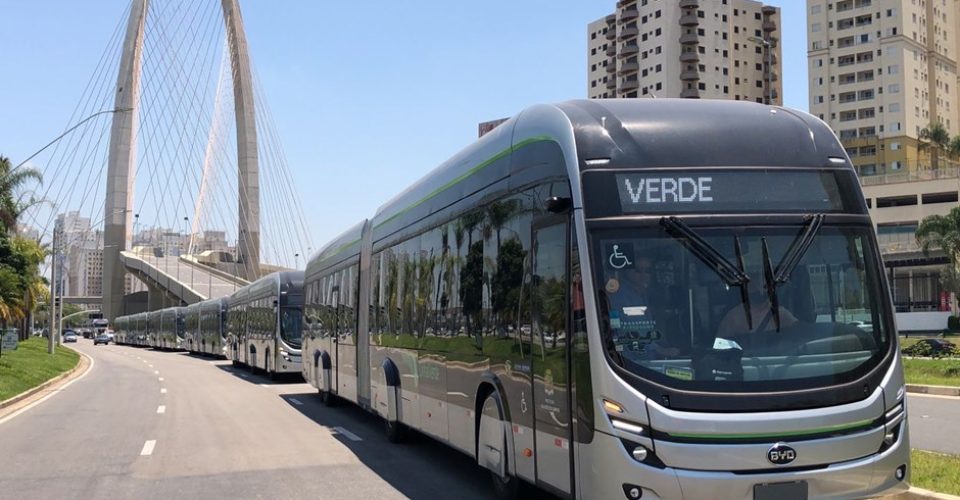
point(690, 75)
point(630, 32)
point(769, 26)
point(689, 4)
point(629, 13)
point(612, 83)
point(771, 94)
point(771, 76)
point(689, 38)
point(629, 49)
point(611, 33)
point(611, 50)
point(629, 67)
point(690, 94)
point(689, 19)
point(629, 84)
point(611, 68)
point(690, 57)
point(611, 19)
point(768, 10)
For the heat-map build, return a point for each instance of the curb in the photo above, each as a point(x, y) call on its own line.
point(936, 390)
point(919, 493)
point(81, 363)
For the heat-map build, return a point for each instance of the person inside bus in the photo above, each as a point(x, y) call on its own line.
point(734, 323)
point(637, 309)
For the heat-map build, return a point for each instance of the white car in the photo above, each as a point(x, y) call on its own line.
point(110, 336)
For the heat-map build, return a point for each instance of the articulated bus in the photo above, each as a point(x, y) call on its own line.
point(167, 328)
point(627, 299)
point(212, 333)
point(264, 323)
point(191, 328)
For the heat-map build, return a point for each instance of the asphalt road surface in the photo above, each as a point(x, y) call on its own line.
point(933, 423)
point(159, 425)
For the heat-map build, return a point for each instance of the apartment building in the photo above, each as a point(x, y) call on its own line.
point(880, 72)
point(710, 49)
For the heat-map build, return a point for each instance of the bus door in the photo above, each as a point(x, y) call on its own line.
point(551, 374)
point(334, 345)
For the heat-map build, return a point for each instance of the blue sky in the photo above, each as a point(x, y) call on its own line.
point(366, 96)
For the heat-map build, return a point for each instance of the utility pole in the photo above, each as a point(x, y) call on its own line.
point(51, 313)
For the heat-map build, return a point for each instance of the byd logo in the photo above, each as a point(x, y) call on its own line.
point(781, 454)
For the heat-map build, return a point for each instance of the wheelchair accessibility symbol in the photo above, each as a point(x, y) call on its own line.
point(618, 260)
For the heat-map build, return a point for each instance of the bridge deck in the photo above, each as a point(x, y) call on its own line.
point(189, 281)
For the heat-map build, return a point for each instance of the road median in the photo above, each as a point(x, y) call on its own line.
point(30, 370)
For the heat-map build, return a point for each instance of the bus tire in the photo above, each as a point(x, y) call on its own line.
point(328, 399)
point(394, 430)
point(505, 485)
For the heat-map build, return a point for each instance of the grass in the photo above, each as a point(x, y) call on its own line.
point(944, 371)
point(30, 366)
point(935, 471)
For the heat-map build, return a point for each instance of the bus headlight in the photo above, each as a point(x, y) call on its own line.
point(639, 453)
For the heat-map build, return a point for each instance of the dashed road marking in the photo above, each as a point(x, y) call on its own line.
point(161, 409)
point(296, 401)
point(161, 379)
point(349, 435)
point(163, 390)
point(156, 372)
point(148, 448)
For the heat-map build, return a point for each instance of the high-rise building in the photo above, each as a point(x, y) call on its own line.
point(880, 72)
point(710, 49)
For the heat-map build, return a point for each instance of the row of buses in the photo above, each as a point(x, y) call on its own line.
point(258, 326)
point(606, 299)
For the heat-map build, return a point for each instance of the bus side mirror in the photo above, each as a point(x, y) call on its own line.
point(556, 204)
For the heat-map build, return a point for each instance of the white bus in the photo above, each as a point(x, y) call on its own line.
point(627, 299)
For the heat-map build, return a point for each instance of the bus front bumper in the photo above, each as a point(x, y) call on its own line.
point(603, 476)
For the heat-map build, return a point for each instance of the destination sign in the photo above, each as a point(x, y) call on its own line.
point(728, 191)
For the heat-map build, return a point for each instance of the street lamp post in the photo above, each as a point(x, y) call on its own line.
point(296, 261)
point(65, 132)
point(768, 46)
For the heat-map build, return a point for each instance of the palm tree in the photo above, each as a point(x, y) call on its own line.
point(943, 232)
point(936, 139)
point(11, 183)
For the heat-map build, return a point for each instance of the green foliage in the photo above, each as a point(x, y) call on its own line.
point(935, 472)
point(932, 371)
point(943, 232)
point(20, 282)
point(936, 139)
point(30, 366)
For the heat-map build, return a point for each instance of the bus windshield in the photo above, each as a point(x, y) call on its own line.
point(290, 322)
point(733, 309)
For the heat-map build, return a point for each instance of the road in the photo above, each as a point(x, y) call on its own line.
point(196, 277)
point(146, 424)
point(933, 422)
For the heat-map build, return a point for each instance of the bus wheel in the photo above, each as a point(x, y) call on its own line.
point(493, 452)
point(394, 431)
point(505, 488)
point(327, 398)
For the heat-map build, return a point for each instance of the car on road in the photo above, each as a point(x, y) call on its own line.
point(111, 336)
point(70, 336)
point(933, 348)
point(101, 339)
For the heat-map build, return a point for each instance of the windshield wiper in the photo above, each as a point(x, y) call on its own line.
point(798, 248)
point(732, 275)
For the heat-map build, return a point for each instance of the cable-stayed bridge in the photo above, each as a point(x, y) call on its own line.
point(173, 163)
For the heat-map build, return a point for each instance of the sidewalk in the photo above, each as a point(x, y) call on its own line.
point(934, 390)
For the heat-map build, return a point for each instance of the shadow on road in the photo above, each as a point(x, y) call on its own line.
point(244, 372)
point(419, 467)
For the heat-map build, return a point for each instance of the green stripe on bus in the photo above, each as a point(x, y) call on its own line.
point(468, 173)
point(776, 435)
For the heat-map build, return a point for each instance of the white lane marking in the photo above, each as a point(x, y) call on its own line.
point(163, 390)
point(48, 396)
point(296, 401)
point(244, 375)
point(161, 379)
point(151, 366)
point(349, 435)
point(156, 372)
point(161, 409)
point(148, 448)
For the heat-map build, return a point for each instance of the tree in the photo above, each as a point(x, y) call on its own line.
point(12, 182)
point(943, 232)
point(954, 148)
point(936, 139)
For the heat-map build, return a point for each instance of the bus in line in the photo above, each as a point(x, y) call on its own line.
point(627, 299)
